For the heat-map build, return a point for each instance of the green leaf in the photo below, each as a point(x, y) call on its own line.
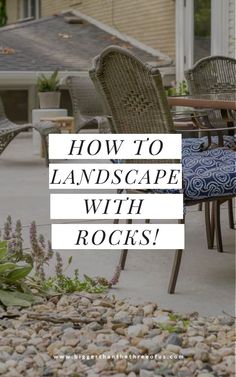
point(4, 267)
point(18, 273)
point(9, 298)
point(54, 75)
point(3, 244)
point(24, 287)
point(48, 84)
point(70, 259)
point(89, 280)
point(3, 249)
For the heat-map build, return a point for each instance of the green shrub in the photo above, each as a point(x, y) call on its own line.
point(3, 14)
point(48, 84)
point(178, 89)
point(13, 290)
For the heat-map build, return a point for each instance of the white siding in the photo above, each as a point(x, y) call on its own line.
point(231, 30)
point(151, 22)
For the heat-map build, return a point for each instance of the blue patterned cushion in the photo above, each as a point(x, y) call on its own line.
point(198, 144)
point(193, 145)
point(209, 174)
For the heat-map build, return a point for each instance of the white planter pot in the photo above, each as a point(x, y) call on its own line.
point(49, 100)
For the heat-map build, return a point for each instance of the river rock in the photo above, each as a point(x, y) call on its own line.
point(150, 345)
point(148, 309)
point(147, 321)
point(122, 317)
point(20, 349)
point(137, 330)
point(173, 348)
point(146, 373)
point(3, 368)
point(54, 348)
point(161, 318)
point(174, 339)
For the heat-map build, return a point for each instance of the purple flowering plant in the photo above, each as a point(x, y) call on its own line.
point(22, 271)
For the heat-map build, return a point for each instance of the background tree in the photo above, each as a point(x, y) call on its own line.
point(202, 18)
point(3, 14)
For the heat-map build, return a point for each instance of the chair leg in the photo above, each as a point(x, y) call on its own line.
point(200, 207)
point(213, 223)
point(123, 257)
point(124, 253)
point(175, 268)
point(231, 213)
point(45, 149)
point(175, 271)
point(219, 243)
point(210, 237)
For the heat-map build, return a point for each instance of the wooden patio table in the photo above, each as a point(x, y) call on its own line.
point(223, 101)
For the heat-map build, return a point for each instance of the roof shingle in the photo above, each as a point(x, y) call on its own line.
point(52, 43)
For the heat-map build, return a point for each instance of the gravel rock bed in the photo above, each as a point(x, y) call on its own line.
point(89, 335)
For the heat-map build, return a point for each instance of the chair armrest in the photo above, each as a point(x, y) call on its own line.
point(101, 123)
point(209, 129)
point(105, 124)
point(189, 112)
point(185, 125)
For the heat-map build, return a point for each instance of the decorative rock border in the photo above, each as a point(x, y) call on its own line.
point(82, 335)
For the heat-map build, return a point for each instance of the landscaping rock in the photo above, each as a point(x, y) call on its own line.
point(3, 368)
point(122, 317)
point(174, 339)
point(137, 330)
point(76, 326)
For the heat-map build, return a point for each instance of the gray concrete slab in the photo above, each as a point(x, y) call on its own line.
point(206, 280)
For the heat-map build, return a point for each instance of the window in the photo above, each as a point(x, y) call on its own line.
point(16, 99)
point(202, 29)
point(30, 8)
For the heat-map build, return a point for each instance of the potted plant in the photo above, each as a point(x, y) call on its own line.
point(48, 91)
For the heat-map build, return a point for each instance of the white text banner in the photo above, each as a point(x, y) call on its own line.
point(114, 146)
point(116, 206)
point(120, 236)
point(113, 176)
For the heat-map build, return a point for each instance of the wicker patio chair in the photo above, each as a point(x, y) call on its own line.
point(9, 130)
point(134, 95)
point(215, 74)
point(87, 106)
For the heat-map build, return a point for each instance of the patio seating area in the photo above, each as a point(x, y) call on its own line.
point(206, 282)
point(117, 239)
point(139, 105)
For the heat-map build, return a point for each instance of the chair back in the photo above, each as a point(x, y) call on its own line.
point(132, 92)
point(85, 101)
point(214, 74)
point(2, 111)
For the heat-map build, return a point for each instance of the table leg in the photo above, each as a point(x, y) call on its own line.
point(73, 131)
point(230, 123)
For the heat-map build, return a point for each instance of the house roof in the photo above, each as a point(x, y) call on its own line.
point(53, 43)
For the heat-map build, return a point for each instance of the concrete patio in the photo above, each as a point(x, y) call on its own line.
point(206, 279)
